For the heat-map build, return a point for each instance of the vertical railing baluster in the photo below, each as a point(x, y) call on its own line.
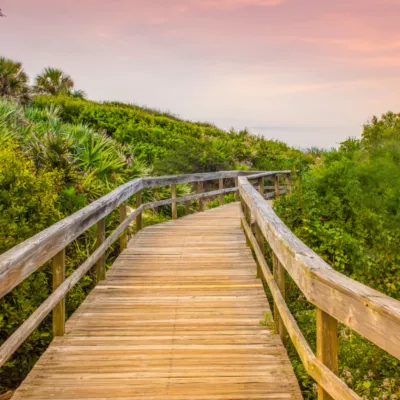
point(101, 263)
point(221, 196)
point(327, 346)
point(237, 194)
point(200, 190)
point(139, 220)
point(279, 276)
point(123, 240)
point(58, 264)
point(174, 209)
point(276, 180)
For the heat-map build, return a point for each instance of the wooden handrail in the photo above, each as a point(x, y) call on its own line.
point(24, 259)
point(337, 297)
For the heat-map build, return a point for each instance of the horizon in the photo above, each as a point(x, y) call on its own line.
point(309, 74)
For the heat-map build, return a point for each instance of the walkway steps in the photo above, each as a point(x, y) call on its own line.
point(178, 318)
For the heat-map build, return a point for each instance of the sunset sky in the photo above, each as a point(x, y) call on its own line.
point(308, 72)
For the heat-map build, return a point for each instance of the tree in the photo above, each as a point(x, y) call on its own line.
point(55, 82)
point(13, 81)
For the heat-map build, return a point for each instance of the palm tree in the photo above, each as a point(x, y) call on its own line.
point(53, 81)
point(14, 82)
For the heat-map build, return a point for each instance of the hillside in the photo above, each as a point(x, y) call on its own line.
point(175, 146)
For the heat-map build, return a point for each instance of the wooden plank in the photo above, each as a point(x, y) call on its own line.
point(184, 325)
point(327, 346)
point(101, 263)
point(221, 187)
point(321, 373)
point(200, 192)
point(123, 240)
point(58, 264)
point(277, 191)
point(19, 336)
point(174, 210)
point(369, 312)
point(22, 260)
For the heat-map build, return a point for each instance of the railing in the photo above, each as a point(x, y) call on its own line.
point(336, 297)
point(24, 259)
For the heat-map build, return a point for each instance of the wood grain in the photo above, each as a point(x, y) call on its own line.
point(178, 318)
point(369, 312)
point(326, 378)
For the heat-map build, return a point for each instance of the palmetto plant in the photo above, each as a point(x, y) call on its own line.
point(14, 82)
point(53, 81)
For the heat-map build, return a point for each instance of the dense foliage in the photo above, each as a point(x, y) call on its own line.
point(59, 152)
point(174, 146)
point(346, 207)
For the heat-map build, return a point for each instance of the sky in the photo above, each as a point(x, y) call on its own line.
point(307, 72)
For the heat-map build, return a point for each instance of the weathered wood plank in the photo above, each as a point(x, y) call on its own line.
point(321, 373)
point(184, 325)
point(22, 260)
point(58, 263)
point(367, 311)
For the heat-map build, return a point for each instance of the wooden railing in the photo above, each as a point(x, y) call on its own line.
point(24, 259)
point(336, 297)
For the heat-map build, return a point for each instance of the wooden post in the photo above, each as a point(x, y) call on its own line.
point(200, 190)
point(260, 241)
point(139, 221)
point(123, 240)
point(280, 280)
point(221, 196)
point(187, 207)
point(174, 205)
point(279, 276)
point(237, 196)
point(276, 186)
point(261, 186)
point(101, 264)
point(247, 215)
point(327, 346)
point(58, 264)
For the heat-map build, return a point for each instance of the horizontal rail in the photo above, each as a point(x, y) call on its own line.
point(25, 258)
point(20, 335)
point(324, 376)
point(22, 260)
point(189, 198)
point(365, 310)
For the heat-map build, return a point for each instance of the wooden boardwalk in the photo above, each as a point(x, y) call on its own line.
point(177, 318)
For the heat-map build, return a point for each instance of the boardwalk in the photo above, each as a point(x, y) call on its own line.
point(177, 318)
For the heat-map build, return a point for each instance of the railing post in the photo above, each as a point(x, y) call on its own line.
point(237, 195)
point(58, 264)
point(261, 186)
point(279, 276)
point(174, 205)
point(327, 346)
point(247, 216)
point(276, 180)
point(139, 221)
point(200, 190)
point(187, 207)
point(101, 264)
point(260, 241)
point(123, 240)
point(221, 196)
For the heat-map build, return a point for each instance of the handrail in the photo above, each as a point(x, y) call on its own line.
point(337, 297)
point(22, 260)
